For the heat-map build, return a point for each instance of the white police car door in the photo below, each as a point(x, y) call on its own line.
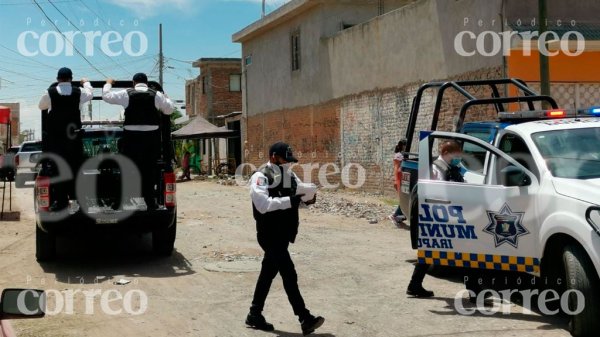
point(486, 222)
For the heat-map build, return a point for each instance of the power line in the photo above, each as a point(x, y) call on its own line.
point(71, 43)
point(177, 60)
point(96, 47)
point(29, 59)
point(100, 16)
point(21, 74)
point(28, 3)
point(93, 12)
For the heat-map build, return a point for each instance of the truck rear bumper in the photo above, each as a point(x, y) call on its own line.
point(80, 223)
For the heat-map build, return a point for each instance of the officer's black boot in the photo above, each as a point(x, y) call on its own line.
point(311, 323)
point(417, 290)
point(415, 287)
point(258, 321)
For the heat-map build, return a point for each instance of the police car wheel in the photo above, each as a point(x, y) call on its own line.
point(581, 277)
point(45, 245)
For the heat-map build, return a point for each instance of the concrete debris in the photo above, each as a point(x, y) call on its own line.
point(354, 205)
point(227, 181)
point(337, 204)
point(229, 257)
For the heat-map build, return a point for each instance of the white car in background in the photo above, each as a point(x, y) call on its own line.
point(26, 161)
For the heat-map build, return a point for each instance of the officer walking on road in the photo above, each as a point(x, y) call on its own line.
point(61, 129)
point(141, 130)
point(275, 207)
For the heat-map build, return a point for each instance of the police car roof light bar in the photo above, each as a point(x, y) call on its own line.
point(594, 111)
point(547, 114)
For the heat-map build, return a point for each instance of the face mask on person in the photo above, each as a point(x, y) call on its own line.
point(455, 161)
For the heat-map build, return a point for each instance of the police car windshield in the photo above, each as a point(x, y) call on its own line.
point(101, 142)
point(571, 153)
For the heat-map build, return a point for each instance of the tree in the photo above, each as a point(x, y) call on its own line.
point(175, 115)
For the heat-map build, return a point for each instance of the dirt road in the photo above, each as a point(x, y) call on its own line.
point(352, 272)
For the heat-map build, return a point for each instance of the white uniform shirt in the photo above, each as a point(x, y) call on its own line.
point(65, 89)
point(259, 192)
point(121, 98)
point(437, 173)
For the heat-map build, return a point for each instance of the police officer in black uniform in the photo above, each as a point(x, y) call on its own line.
point(275, 207)
point(141, 130)
point(61, 130)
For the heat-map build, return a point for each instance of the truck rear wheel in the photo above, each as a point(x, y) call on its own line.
point(163, 240)
point(581, 276)
point(45, 245)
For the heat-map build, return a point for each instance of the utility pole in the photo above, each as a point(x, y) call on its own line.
point(263, 8)
point(544, 62)
point(161, 60)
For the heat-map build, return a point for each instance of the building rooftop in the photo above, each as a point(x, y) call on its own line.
point(212, 60)
point(275, 18)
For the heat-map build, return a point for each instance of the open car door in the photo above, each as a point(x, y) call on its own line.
point(486, 222)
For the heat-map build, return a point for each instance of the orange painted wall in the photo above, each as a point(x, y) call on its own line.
point(563, 68)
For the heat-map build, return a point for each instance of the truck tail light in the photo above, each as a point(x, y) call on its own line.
point(16, 160)
point(42, 191)
point(170, 189)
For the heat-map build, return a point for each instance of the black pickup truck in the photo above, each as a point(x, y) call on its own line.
point(100, 185)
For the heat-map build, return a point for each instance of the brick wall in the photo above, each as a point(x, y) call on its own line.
point(359, 130)
point(225, 101)
point(218, 99)
point(312, 131)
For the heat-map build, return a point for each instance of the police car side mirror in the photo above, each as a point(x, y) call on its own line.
point(514, 176)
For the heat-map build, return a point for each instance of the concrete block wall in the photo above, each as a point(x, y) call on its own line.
point(373, 122)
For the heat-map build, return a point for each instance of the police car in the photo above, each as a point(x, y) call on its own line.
point(530, 203)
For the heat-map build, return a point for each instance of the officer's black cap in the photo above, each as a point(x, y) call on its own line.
point(64, 73)
point(284, 151)
point(140, 78)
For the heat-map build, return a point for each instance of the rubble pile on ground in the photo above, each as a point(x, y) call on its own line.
point(336, 203)
point(226, 180)
point(356, 205)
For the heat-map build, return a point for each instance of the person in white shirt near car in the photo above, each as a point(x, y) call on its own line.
point(446, 168)
point(141, 140)
point(61, 130)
